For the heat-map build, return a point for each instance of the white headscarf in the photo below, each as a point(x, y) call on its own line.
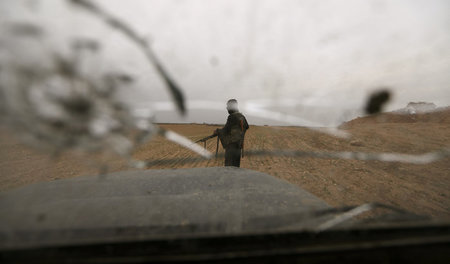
point(232, 105)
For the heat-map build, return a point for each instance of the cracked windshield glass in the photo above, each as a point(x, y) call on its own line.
point(221, 117)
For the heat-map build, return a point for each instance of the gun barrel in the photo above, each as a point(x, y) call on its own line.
point(206, 138)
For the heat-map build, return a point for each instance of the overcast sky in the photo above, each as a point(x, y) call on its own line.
point(315, 60)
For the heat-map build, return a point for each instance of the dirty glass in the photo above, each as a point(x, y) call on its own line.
point(103, 104)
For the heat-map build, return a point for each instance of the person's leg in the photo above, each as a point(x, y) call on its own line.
point(235, 153)
point(237, 158)
point(228, 157)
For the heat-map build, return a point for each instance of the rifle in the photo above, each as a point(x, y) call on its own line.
point(208, 137)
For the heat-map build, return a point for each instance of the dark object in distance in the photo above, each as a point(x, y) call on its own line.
point(376, 101)
point(232, 134)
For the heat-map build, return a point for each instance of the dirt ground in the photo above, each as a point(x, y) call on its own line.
point(422, 189)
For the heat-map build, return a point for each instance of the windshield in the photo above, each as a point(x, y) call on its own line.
point(343, 107)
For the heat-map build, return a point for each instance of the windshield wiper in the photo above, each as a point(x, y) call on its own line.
point(324, 219)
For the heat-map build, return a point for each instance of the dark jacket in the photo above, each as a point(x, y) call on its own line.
point(234, 130)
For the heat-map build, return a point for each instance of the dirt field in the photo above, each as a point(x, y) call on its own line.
point(423, 189)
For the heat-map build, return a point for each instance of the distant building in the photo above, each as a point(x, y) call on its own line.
point(420, 107)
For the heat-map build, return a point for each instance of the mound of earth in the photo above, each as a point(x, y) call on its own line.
point(438, 115)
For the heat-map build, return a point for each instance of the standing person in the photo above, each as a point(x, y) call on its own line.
point(232, 134)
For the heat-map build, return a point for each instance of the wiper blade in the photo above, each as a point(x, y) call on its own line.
point(358, 210)
point(324, 219)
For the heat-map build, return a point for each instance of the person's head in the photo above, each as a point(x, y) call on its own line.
point(232, 106)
